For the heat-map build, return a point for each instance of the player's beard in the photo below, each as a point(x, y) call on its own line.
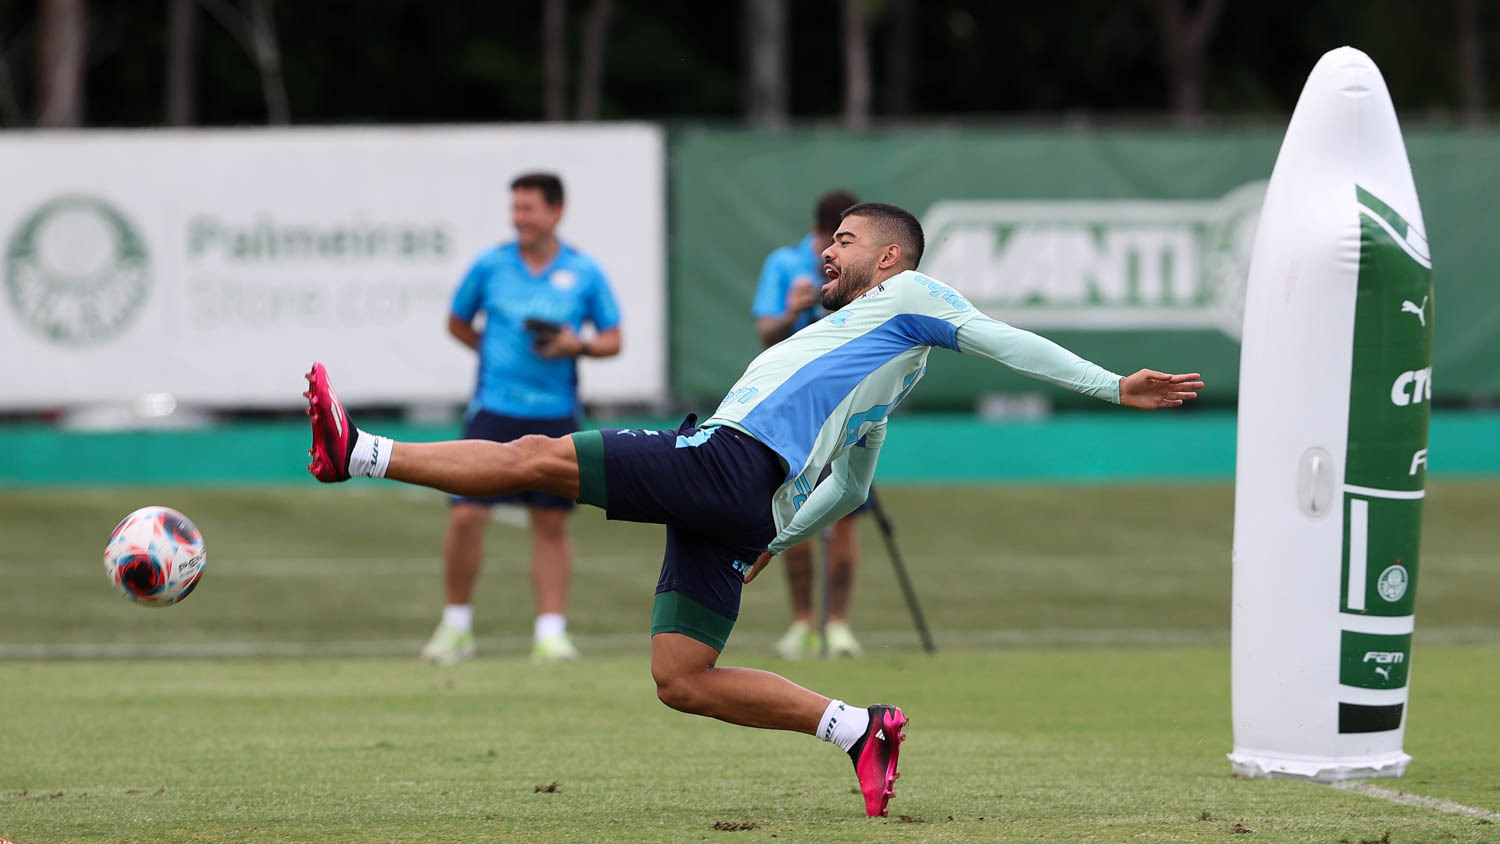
point(852, 281)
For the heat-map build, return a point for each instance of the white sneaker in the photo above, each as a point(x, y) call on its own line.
point(449, 645)
point(555, 648)
point(841, 641)
point(799, 642)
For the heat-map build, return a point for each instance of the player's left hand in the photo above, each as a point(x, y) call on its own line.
point(563, 344)
point(1149, 389)
point(760, 563)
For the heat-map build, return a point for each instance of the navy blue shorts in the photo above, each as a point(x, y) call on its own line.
point(499, 428)
point(711, 487)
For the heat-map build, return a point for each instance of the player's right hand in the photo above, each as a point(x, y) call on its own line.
point(760, 563)
point(803, 295)
point(1149, 389)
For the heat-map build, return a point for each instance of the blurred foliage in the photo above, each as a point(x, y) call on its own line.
point(353, 61)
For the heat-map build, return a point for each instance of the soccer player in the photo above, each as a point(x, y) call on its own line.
point(786, 301)
point(739, 488)
point(535, 292)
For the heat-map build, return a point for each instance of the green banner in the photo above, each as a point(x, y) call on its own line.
point(1128, 246)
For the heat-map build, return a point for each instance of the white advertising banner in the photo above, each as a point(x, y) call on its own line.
point(216, 265)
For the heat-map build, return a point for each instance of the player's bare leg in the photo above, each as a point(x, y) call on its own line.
point(551, 573)
point(689, 680)
point(463, 550)
point(798, 562)
point(801, 638)
point(843, 550)
point(463, 553)
point(843, 563)
point(470, 468)
point(551, 558)
point(481, 468)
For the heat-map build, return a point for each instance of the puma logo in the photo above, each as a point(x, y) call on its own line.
point(1410, 307)
point(1384, 672)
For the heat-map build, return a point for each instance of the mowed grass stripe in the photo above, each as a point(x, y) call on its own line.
point(747, 645)
point(1043, 745)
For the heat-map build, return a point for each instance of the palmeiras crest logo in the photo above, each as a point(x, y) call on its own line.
point(76, 270)
point(1392, 583)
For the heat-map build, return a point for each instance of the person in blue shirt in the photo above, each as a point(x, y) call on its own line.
point(787, 301)
point(536, 294)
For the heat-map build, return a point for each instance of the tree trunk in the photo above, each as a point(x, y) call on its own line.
point(255, 29)
point(591, 75)
point(856, 65)
point(61, 42)
point(765, 62)
point(10, 102)
point(1184, 41)
point(555, 61)
point(182, 53)
point(898, 57)
point(1471, 62)
point(262, 23)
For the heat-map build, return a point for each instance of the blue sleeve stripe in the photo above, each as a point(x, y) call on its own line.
point(790, 418)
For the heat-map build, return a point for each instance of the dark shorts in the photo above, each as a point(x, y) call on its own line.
point(499, 428)
point(712, 488)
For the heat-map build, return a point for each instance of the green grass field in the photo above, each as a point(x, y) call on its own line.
point(1081, 691)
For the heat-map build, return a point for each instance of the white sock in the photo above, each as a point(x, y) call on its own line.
point(550, 624)
point(371, 455)
point(843, 724)
point(460, 616)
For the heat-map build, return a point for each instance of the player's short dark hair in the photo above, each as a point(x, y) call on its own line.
point(548, 183)
point(896, 223)
point(829, 211)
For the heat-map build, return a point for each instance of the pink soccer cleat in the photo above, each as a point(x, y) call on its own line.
point(333, 434)
point(875, 757)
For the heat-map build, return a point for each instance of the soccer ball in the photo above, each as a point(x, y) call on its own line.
point(155, 556)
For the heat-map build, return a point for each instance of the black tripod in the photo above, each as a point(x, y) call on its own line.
point(888, 532)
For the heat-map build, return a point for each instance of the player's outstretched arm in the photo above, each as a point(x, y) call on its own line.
point(1036, 357)
point(1150, 390)
point(845, 488)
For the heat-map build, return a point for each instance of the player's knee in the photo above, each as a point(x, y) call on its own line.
point(533, 454)
point(549, 524)
point(678, 689)
point(469, 517)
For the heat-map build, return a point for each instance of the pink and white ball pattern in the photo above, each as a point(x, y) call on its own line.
point(155, 556)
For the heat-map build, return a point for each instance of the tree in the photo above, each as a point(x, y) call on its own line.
point(1184, 40)
point(10, 103)
point(254, 26)
point(765, 62)
point(62, 42)
point(900, 36)
point(591, 73)
point(555, 61)
point(1470, 62)
point(182, 51)
point(856, 65)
